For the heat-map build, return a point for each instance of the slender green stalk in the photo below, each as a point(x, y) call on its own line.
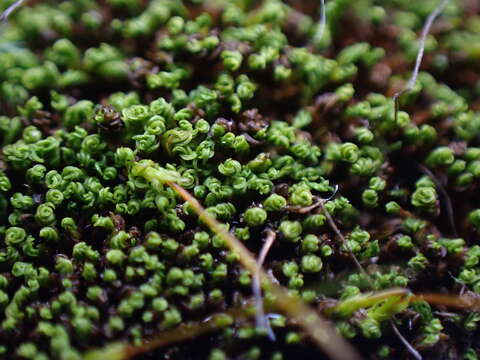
point(185, 331)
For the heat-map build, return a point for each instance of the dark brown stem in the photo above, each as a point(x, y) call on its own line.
point(447, 202)
point(404, 341)
point(344, 242)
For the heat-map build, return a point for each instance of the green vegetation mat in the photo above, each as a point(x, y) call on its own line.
point(302, 129)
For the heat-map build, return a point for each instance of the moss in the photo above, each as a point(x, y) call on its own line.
point(262, 112)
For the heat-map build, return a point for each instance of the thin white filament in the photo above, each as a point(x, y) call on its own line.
point(4, 16)
point(423, 38)
point(260, 319)
point(323, 21)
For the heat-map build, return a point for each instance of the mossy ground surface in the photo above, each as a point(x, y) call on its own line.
point(273, 128)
